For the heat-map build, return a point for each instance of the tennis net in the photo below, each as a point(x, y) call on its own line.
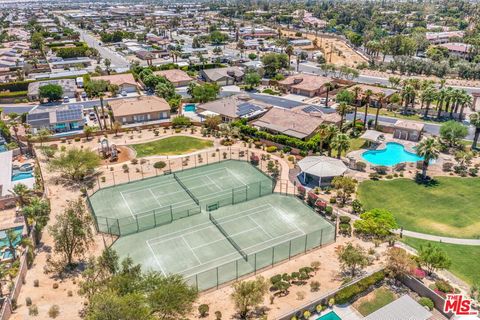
point(186, 189)
point(236, 246)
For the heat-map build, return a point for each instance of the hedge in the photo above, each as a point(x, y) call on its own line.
point(347, 294)
point(15, 86)
point(14, 94)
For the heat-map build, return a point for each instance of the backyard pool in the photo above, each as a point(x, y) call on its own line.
point(330, 316)
point(22, 175)
point(189, 107)
point(393, 154)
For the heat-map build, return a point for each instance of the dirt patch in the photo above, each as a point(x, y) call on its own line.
point(124, 154)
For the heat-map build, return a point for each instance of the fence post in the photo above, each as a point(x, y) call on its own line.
point(171, 213)
point(118, 225)
point(217, 276)
point(321, 238)
point(236, 269)
point(273, 255)
point(136, 220)
point(128, 174)
point(154, 218)
point(289, 249)
point(108, 226)
point(113, 176)
point(306, 241)
point(255, 264)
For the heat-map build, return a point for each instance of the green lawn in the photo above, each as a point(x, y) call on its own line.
point(374, 301)
point(171, 146)
point(464, 258)
point(448, 207)
point(355, 144)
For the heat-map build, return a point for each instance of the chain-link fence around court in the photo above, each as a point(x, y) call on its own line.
point(268, 257)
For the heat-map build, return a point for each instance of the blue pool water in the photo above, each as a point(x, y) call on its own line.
point(22, 175)
point(393, 153)
point(189, 107)
point(3, 236)
point(330, 316)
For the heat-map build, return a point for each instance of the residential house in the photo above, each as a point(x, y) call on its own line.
point(232, 108)
point(300, 42)
point(68, 85)
point(124, 81)
point(378, 93)
point(291, 123)
point(177, 77)
point(223, 76)
point(61, 118)
point(408, 130)
point(443, 37)
point(457, 49)
point(305, 84)
point(141, 109)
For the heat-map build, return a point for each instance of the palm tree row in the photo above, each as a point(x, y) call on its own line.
point(334, 138)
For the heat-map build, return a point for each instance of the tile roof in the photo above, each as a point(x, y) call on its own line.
point(174, 75)
point(138, 105)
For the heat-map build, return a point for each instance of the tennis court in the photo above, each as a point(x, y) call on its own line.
point(143, 204)
point(222, 245)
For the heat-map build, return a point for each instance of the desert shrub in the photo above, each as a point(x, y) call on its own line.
point(203, 310)
point(134, 161)
point(426, 302)
point(345, 219)
point(54, 311)
point(361, 166)
point(315, 286)
point(55, 285)
point(444, 286)
point(218, 315)
point(33, 310)
point(271, 149)
point(159, 165)
point(28, 301)
point(447, 166)
point(36, 283)
point(328, 210)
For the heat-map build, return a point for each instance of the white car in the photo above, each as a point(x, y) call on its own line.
point(123, 93)
point(66, 99)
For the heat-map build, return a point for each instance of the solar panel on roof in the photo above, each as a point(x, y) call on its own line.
point(69, 115)
point(246, 108)
point(312, 108)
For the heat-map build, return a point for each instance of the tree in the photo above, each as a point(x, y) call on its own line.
point(75, 164)
point(116, 127)
point(398, 262)
point(212, 122)
point(273, 62)
point(248, 294)
point(72, 232)
point(341, 142)
point(452, 132)
point(289, 50)
point(23, 195)
point(252, 79)
point(429, 149)
point(345, 186)
point(475, 121)
point(37, 41)
point(109, 305)
point(11, 242)
point(377, 223)
point(42, 135)
point(51, 92)
point(170, 297)
point(433, 258)
point(342, 109)
point(108, 63)
point(352, 258)
point(367, 95)
point(204, 93)
point(97, 89)
point(38, 210)
point(181, 121)
point(165, 89)
point(88, 131)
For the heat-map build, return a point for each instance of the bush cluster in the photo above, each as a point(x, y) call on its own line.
point(346, 294)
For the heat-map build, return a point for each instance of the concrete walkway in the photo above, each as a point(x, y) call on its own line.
point(430, 237)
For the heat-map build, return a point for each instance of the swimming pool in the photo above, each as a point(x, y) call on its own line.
point(3, 236)
point(189, 107)
point(330, 316)
point(22, 175)
point(393, 153)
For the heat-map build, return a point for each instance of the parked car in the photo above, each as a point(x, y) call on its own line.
point(66, 99)
point(123, 93)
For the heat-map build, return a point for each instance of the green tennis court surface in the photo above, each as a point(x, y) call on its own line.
point(267, 230)
point(144, 204)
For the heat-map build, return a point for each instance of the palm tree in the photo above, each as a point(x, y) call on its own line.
point(475, 121)
point(329, 86)
point(14, 125)
point(323, 134)
point(380, 97)
point(368, 94)
point(341, 142)
point(342, 109)
point(23, 195)
point(428, 96)
point(42, 135)
point(357, 91)
point(11, 238)
point(441, 95)
point(408, 93)
point(332, 132)
point(465, 100)
point(429, 149)
point(38, 210)
point(289, 51)
point(108, 63)
point(116, 127)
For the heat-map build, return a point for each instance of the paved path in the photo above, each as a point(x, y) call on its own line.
point(430, 237)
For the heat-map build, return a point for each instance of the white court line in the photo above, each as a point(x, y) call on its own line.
point(233, 235)
point(153, 195)
point(214, 183)
point(236, 177)
point(196, 175)
point(259, 226)
point(156, 259)
point(193, 252)
point(286, 220)
point(202, 224)
point(129, 209)
point(236, 253)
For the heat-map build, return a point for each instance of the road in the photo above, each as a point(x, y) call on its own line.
point(118, 62)
point(312, 68)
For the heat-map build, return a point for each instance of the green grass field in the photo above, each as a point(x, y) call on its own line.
point(448, 207)
point(355, 144)
point(464, 258)
point(171, 146)
point(374, 301)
